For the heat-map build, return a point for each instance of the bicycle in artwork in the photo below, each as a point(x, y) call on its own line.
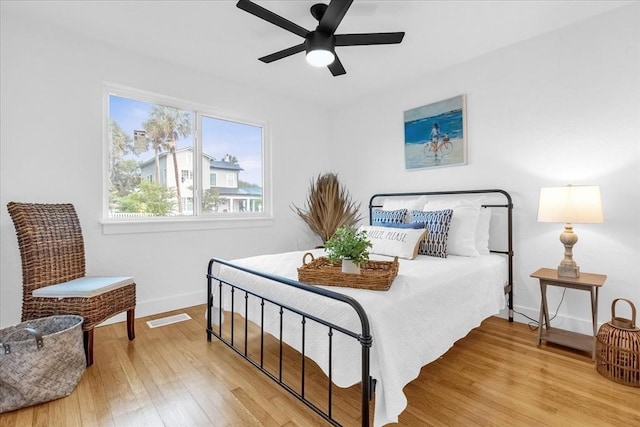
point(438, 149)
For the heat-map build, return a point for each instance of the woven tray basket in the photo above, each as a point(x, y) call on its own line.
point(374, 275)
point(618, 348)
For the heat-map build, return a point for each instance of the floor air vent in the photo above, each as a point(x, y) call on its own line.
point(168, 320)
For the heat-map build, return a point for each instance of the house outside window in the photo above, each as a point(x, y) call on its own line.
point(167, 158)
point(231, 182)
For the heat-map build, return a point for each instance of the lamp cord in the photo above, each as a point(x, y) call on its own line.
point(534, 324)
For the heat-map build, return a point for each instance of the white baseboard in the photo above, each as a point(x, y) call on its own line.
point(162, 305)
point(177, 302)
point(583, 326)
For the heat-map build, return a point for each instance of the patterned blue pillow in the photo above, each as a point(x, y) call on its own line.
point(437, 223)
point(416, 225)
point(384, 218)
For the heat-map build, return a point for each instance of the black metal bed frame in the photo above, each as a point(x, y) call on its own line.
point(508, 289)
point(363, 336)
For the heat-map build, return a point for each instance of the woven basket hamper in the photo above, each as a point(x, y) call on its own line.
point(618, 348)
point(40, 360)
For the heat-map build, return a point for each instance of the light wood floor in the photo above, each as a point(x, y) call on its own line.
point(171, 376)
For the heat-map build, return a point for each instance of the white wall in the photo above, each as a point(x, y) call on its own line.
point(51, 151)
point(558, 109)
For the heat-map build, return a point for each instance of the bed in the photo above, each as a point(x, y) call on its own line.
point(378, 340)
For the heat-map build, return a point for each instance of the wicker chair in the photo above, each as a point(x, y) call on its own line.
point(53, 271)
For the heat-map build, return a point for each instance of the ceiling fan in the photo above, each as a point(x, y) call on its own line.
point(320, 43)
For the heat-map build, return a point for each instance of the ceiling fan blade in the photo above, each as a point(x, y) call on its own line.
point(368, 39)
point(267, 15)
point(283, 53)
point(333, 15)
point(336, 67)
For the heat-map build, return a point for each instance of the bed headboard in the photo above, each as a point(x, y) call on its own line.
point(501, 241)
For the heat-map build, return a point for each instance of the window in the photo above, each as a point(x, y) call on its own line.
point(186, 175)
point(169, 159)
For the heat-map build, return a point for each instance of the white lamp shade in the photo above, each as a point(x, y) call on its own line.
point(320, 57)
point(578, 204)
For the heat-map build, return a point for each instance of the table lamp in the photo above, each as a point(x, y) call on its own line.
point(573, 204)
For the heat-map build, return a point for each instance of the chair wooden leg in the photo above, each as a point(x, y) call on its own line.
point(130, 324)
point(88, 346)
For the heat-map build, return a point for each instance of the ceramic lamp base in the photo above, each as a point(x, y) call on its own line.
point(568, 271)
point(568, 267)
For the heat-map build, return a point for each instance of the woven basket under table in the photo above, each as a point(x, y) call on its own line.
point(374, 275)
point(618, 348)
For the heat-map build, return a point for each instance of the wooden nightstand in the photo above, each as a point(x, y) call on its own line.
point(586, 282)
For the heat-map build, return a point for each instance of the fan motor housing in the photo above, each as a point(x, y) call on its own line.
point(320, 40)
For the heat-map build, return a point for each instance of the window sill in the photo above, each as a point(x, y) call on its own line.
point(182, 224)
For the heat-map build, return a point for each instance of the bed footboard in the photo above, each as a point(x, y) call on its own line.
point(217, 286)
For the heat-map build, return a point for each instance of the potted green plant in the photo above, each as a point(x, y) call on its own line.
point(349, 246)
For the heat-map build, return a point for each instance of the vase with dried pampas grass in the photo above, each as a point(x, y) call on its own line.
point(328, 207)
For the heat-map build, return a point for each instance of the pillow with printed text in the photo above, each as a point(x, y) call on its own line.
point(391, 241)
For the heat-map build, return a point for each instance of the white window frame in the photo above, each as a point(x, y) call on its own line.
point(198, 221)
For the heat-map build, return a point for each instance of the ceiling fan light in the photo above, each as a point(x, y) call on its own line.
point(320, 57)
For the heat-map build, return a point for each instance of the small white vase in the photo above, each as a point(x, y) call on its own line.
point(349, 267)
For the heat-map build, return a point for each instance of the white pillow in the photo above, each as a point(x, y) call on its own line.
point(482, 232)
point(464, 223)
point(400, 242)
point(415, 204)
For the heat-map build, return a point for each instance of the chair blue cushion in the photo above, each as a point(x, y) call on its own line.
point(83, 287)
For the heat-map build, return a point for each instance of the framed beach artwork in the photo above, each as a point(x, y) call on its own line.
point(435, 135)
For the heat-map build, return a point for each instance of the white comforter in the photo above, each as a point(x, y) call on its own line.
point(432, 303)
